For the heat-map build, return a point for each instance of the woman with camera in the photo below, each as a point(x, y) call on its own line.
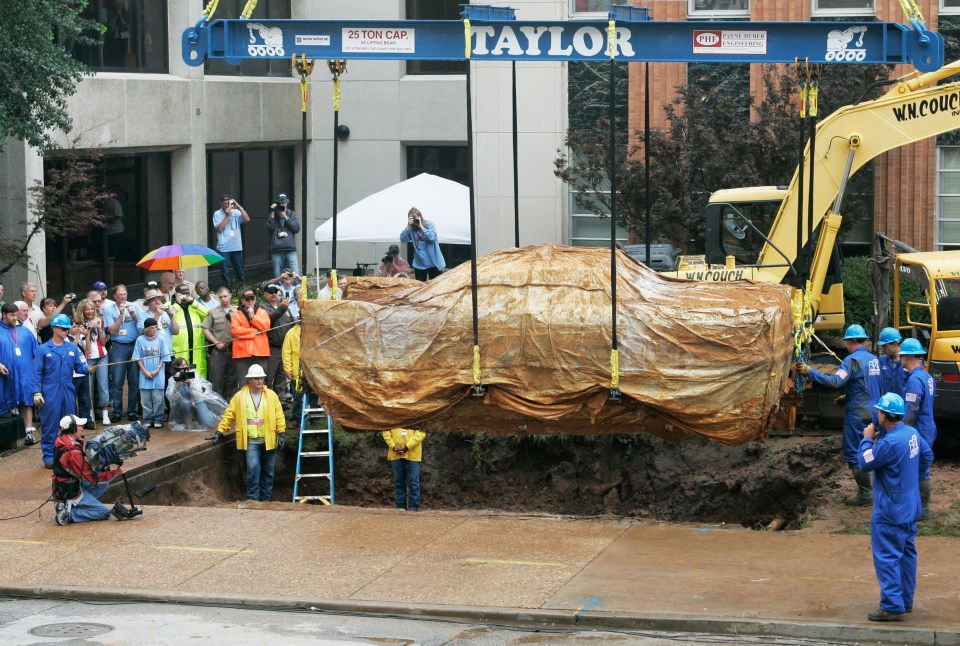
point(190, 395)
point(428, 261)
point(92, 339)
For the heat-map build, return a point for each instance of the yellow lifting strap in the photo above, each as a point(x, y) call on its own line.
point(476, 365)
point(614, 368)
point(304, 69)
point(803, 86)
point(612, 41)
point(467, 36)
point(802, 319)
point(814, 72)
point(911, 9)
point(248, 9)
point(209, 9)
point(334, 286)
point(336, 67)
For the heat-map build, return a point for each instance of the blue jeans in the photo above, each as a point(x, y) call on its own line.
point(406, 473)
point(261, 466)
point(98, 369)
point(82, 386)
point(120, 352)
point(180, 413)
point(231, 259)
point(89, 507)
point(153, 404)
point(283, 260)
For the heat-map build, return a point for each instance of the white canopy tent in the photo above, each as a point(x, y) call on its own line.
point(382, 216)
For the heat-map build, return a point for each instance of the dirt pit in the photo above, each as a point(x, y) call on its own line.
point(636, 476)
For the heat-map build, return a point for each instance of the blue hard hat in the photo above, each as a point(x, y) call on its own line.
point(912, 346)
point(61, 320)
point(855, 332)
point(889, 335)
point(890, 403)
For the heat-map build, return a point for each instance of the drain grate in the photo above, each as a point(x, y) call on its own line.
point(74, 629)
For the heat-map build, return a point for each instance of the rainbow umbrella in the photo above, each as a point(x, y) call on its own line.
point(179, 256)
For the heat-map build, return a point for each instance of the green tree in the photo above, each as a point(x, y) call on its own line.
point(710, 144)
point(37, 73)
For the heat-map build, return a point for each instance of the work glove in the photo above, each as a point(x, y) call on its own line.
point(38, 399)
point(281, 441)
point(216, 437)
point(841, 400)
point(803, 368)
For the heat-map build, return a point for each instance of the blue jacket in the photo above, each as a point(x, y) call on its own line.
point(892, 376)
point(918, 398)
point(897, 458)
point(18, 352)
point(859, 376)
point(426, 248)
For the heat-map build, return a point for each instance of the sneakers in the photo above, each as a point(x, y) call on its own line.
point(133, 417)
point(63, 514)
point(106, 417)
point(115, 417)
point(884, 615)
point(29, 439)
point(90, 425)
point(48, 465)
point(158, 425)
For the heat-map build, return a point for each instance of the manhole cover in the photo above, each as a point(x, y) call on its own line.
point(71, 630)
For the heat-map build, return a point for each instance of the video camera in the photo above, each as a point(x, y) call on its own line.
point(387, 259)
point(115, 444)
point(188, 372)
point(71, 296)
point(280, 208)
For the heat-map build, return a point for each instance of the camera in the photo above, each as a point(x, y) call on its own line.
point(187, 372)
point(281, 208)
point(233, 203)
point(71, 296)
point(387, 259)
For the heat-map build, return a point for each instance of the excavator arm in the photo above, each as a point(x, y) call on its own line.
point(914, 109)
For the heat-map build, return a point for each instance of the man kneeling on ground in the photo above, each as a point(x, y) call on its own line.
point(76, 486)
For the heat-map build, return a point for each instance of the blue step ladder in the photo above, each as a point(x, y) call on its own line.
point(314, 422)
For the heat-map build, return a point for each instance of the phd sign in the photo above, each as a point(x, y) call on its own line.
point(515, 40)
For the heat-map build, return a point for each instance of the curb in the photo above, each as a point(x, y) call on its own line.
point(535, 617)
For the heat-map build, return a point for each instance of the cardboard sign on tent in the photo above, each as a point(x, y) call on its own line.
point(382, 216)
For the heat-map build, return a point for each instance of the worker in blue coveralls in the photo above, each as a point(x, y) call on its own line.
point(899, 456)
point(19, 388)
point(892, 375)
point(918, 398)
point(859, 376)
point(58, 360)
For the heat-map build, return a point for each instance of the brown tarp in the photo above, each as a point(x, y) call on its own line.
point(708, 359)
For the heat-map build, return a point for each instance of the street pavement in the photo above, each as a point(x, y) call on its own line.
point(532, 570)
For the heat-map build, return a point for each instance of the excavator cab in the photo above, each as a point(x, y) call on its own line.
point(926, 298)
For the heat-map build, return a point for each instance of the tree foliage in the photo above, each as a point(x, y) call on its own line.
point(710, 143)
point(70, 199)
point(37, 73)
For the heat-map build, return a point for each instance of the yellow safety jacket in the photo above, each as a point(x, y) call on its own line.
point(236, 414)
point(413, 440)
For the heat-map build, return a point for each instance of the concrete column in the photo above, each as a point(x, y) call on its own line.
point(21, 167)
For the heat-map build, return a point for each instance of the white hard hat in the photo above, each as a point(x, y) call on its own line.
point(70, 420)
point(256, 370)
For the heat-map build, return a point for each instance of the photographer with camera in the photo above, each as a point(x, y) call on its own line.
point(283, 225)
point(76, 486)
point(428, 261)
point(92, 340)
point(227, 220)
point(192, 396)
point(392, 264)
point(121, 320)
point(189, 341)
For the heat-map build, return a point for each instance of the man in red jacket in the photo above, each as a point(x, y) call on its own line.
point(249, 325)
point(76, 486)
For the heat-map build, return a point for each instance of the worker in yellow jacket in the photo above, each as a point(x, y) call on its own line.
point(257, 416)
point(404, 450)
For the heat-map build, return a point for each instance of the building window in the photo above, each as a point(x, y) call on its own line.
point(265, 10)
point(591, 7)
point(948, 198)
point(587, 229)
point(844, 7)
point(949, 6)
point(141, 186)
point(253, 176)
point(134, 37)
point(719, 8)
point(435, 10)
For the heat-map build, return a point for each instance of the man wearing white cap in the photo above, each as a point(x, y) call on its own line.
point(76, 486)
point(257, 417)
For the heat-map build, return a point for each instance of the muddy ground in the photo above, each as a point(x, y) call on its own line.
point(798, 482)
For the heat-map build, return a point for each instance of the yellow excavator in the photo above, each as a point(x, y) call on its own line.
point(758, 233)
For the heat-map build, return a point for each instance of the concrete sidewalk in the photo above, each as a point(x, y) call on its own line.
point(547, 570)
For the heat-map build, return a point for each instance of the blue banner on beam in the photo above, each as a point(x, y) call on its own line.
point(719, 42)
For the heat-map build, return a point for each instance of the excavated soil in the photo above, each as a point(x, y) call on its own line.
point(795, 482)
